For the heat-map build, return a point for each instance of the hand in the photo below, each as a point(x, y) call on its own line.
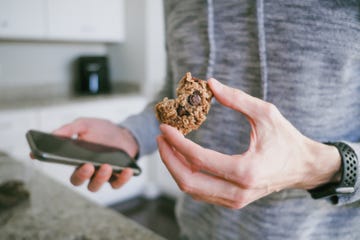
point(279, 157)
point(103, 132)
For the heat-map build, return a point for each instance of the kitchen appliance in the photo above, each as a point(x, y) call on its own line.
point(93, 75)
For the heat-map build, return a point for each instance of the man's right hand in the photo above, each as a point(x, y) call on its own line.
point(106, 133)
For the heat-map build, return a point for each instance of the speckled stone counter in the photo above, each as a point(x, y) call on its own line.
point(55, 212)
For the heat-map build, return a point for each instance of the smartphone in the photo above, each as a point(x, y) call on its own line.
point(57, 149)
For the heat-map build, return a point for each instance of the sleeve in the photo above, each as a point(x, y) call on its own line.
point(348, 199)
point(144, 126)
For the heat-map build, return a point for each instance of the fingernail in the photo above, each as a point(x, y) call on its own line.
point(214, 84)
point(214, 81)
point(162, 127)
point(102, 173)
point(85, 170)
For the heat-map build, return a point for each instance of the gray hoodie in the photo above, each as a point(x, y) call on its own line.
point(302, 56)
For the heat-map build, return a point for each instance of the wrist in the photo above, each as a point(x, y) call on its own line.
point(130, 143)
point(325, 165)
point(346, 185)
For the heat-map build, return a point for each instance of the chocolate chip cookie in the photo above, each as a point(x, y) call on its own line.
point(188, 111)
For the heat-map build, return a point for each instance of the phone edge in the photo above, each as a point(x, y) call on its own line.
point(46, 157)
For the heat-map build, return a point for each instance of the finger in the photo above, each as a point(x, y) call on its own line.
point(216, 201)
point(236, 99)
point(206, 187)
point(101, 176)
point(81, 174)
point(248, 197)
point(195, 183)
point(117, 180)
point(216, 163)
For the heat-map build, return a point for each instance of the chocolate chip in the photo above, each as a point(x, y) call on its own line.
point(195, 99)
point(181, 111)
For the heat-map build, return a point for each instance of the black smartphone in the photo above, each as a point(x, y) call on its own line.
point(51, 148)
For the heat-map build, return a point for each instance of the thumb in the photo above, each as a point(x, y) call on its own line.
point(236, 99)
point(70, 129)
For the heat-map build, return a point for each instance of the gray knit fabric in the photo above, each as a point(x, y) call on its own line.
point(303, 56)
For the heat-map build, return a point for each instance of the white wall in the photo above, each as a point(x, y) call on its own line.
point(30, 64)
point(127, 59)
point(155, 46)
point(141, 58)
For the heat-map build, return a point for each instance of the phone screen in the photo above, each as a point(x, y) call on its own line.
point(52, 148)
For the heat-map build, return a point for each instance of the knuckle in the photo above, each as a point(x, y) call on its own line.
point(197, 163)
point(79, 120)
point(184, 186)
point(250, 180)
point(236, 205)
point(241, 200)
point(196, 197)
point(247, 176)
point(270, 110)
point(238, 171)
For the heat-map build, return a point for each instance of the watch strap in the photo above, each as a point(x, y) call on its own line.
point(349, 168)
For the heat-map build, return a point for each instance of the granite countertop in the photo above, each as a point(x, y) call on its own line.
point(52, 211)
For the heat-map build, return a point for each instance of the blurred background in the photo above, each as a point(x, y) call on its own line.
point(60, 60)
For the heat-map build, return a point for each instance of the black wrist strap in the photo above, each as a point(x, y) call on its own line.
point(349, 162)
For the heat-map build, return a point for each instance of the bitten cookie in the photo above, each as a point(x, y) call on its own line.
point(188, 111)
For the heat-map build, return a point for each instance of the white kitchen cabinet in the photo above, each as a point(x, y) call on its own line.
point(22, 19)
point(89, 20)
point(65, 20)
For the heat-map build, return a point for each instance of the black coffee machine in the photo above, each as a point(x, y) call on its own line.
point(93, 75)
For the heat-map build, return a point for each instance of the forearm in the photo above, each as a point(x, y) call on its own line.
point(131, 145)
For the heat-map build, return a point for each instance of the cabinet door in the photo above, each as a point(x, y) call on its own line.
point(22, 18)
point(90, 20)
